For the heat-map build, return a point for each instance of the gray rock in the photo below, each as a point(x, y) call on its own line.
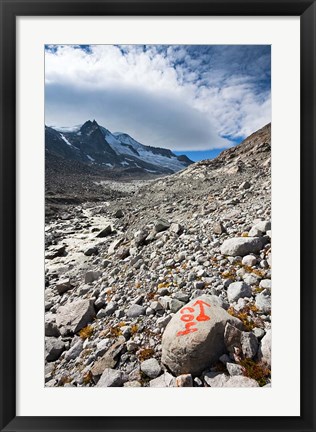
point(150, 367)
point(219, 228)
point(175, 305)
point(110, 308)
point(215, 379)
point(110, 378)
point(246, 342)
point(91, 250)
point(135, 311)
point(74, 316)
point(241, 381)
point(163, 321)
point(183, 297)
point(55, 252)
point(241, 246)
point(225, 359)
point(122, 252)
point(194, 338)
point(176, 228)
point(63, 286)
point(245, 185)
point(118, 213)
point(163, 292)
point(140, 237)
point(131, 346)
point(234, 369)
point(109, 359)
point(53, 348)
point(164, 380)
point(102, 347)
point(165, 301)
point(107, 230)
point(51, 328)
point(232, 338)
point(74, 351)
point(238, 290)
point(249, 344)
point(91, 276)
point(198, 285)
point(161, 225)
point(251, 279)
point(101, 314)
point(264, 353)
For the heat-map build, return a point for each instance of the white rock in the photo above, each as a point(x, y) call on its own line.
point(237, 290)
point(234, 369)
point(241, 381)
point(240, 246)
point(150, 367)
point(263, 301)
point(249, 260)
point(251, 279)
point(215, 379)
point(265, 284)
point(194, 338)
point(164, 380)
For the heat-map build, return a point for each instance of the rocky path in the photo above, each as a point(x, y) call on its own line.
point(167, 286)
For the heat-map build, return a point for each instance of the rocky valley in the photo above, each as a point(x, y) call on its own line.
point(158, 281)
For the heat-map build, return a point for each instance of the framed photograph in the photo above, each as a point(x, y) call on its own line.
point(148, 152)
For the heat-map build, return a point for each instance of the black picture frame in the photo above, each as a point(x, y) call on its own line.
point(11, 9)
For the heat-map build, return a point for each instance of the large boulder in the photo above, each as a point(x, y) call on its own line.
point(74, 316)
point(194, 338)
point(241, 246)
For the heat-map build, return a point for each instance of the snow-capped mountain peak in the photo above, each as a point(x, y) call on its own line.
point(95, 144)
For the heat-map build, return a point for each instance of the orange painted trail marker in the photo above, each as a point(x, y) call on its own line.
point(188, 318)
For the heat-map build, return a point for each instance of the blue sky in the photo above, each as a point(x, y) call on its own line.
point(196, 100)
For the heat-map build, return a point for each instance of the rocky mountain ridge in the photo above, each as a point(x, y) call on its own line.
point(95, 145)
point(167, 283)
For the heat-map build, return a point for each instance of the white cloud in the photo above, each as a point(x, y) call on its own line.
point(162, 97)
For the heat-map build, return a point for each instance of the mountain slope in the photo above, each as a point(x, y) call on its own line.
point(92, 143)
